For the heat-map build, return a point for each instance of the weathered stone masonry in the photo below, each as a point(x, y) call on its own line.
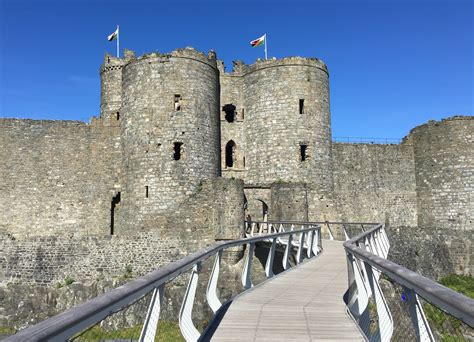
point(149, 169)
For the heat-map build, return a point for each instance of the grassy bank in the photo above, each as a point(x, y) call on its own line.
point(451, 329)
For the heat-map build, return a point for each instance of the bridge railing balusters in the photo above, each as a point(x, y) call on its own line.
point(211, 291)
point(367, 253)
point(286, 255)
point(186, 325)
point(153, 315)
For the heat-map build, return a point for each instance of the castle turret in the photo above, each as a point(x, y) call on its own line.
point(111, 84)
point(170, 130)
point(287, 125)
point(444, 170)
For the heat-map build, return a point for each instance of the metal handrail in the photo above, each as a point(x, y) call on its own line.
point(450, 301)
point(79, 318)
point(316, 222)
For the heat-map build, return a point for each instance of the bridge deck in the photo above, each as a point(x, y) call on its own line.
point(303, 304)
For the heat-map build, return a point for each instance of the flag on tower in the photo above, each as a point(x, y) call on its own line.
point(114, 35)
point(258, 41)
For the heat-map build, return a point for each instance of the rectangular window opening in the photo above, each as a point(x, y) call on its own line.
point(146, 191)
point(177, 102)
point(177, 150)
point(303, 152)
point(301, 106)
point(243, 113)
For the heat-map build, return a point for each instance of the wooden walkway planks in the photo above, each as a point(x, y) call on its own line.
point(303, 304)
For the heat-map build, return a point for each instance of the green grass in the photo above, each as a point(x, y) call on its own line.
point(167, 331)
point(7, 331)
point(448, 326)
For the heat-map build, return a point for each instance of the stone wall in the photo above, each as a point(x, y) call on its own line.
point(215, 212)
point(375, 183)
point(57, 177)
point(46, 260)
point(289, 202)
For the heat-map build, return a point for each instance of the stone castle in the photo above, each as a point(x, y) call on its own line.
point(183, 151)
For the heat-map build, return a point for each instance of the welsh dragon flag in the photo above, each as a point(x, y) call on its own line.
point(258, 41)
point(113, 36)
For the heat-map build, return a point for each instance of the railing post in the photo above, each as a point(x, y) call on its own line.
point(317, 237)
point(309, 247)
point(361, 299)
point(271, 255)
point(299, 254)
point(422, 328)
point(286, 256)
point(188, 330)
point(345, 232)
point(211, 291)
point(246, 281)
point(385, 320)
point(152, 316)
point(331, 237)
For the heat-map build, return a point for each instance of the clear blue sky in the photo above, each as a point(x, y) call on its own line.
point(393, 64)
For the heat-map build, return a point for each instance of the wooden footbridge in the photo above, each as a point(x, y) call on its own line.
point(304, 304)
point(329, 291)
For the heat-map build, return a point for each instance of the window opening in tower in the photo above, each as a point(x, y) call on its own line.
point(177, 102)
point(229, 110)
point(177, 150)
point(229, 153)
point(303, 152)
point(301, 106)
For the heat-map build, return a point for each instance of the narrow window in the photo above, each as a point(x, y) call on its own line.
point(146, 191)
point(301, 106)
point(229, 153)
point(229, 110)
point(177, 102)
point(303, 152)
point(113, 208)
point(177, 150)
point(118, 116)
point(244, 161)
point(243, 113)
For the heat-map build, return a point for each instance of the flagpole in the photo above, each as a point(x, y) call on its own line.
point(118, 42)
point(266, 46)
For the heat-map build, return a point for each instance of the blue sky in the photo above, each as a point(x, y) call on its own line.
point(393, 64)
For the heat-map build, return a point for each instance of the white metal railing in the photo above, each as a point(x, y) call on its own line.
point(367, 260)
point(78, 319)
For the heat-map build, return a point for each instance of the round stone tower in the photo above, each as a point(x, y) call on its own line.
point(170, 130)
point(444, 171)
point(288, 130)
point(111, 86)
